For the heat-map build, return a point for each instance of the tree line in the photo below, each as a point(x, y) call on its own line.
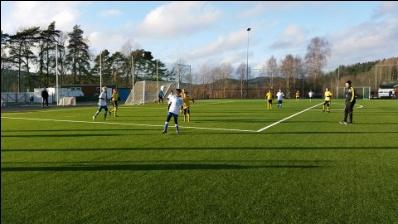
point(35, 49)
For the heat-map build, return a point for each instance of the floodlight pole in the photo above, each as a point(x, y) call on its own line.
point(178, 76)
point(132, 75)
point(100, 69)
point(338, 82)
point(56, 73)
point(157, 75)
point(247, 64)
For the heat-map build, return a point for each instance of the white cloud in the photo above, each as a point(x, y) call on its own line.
point(233, 41)
point(177, 18)
point(111, 41)
point(111, 13)
point(262, 7)
point(364, 42)
point(25, 14)
point(386, 8)
point(292, 37)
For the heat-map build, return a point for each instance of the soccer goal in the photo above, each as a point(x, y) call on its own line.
point(67, 101)
point(362, 92)
point(147, 91)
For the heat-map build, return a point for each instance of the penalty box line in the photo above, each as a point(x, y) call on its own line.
point(125, 124)
point(287, 118)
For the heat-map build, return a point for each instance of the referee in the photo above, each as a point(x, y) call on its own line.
point(350, 100)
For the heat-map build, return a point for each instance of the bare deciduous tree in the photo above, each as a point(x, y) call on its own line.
point(316, 57)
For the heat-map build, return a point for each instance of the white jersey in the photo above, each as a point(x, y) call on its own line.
point(102, 99)
point(280, 95)
point(310, 94)
point(176, 104)
point(169, 98)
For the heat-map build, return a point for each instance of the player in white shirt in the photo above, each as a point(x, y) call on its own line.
point(102, 103)
point(168, 99)
point(175, 105)
point(280, 96)
point(310, 94)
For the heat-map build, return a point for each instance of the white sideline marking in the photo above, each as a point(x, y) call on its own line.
point(125, 124)
point(287, 118)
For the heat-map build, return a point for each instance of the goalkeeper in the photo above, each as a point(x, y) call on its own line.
point(115, 99)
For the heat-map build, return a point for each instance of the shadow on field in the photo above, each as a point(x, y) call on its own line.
point(140, 148)
point(150, 167)
point(75, 130)
point(336, 122)
point(150, 132)
point(60, 136)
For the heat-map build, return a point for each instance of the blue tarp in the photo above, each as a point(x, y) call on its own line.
point(123, 93)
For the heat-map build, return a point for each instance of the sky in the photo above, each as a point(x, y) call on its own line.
point(212, 33)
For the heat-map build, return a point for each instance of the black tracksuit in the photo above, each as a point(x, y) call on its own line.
point(349, 104)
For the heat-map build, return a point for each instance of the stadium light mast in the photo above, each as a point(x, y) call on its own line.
point(157, 75)
point(132, 75)
point(338, 82)
point(178, 76)
point(247, 63)
point(56, 73)
point(100, 69)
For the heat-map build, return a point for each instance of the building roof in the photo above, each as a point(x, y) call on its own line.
point(388, 85)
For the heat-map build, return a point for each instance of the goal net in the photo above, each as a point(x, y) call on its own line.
point(362, 92)
point(67, 101)
point(148, 91)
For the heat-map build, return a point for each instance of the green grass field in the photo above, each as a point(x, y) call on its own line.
point(308, 169)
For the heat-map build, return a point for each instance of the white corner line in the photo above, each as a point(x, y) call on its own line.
point(287, 118)
point(124, 124)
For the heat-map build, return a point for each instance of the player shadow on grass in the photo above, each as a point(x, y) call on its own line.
point(200, 148)
point(73, 130)
point(151, 167)
point(61, 136)
point(334, 122)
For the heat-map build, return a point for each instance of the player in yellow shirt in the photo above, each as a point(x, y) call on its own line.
point(297, 95)
point(115, 99)
point(186, 106)
point(328, 99)
point(268, 96)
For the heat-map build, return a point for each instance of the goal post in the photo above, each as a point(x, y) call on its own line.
point(67, 101)
point(362, 92)
point(147, 92)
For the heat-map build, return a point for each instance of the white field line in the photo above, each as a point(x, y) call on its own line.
point(50, 110)
point(124, 124)
point(358, 107)
point(158, 125)
point(287, 118)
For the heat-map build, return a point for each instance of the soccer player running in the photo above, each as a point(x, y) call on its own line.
point(269, 99)
point(175, 105)
point(328, 99)
point(102, 104)
point(350, 100)
point(186, 106)
point(115, 99)
point(280, 96)
point(297, 95)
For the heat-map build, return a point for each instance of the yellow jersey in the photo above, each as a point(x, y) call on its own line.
point(186, 100)
point(328, 95)
point(268, 96)
point(115, 96)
